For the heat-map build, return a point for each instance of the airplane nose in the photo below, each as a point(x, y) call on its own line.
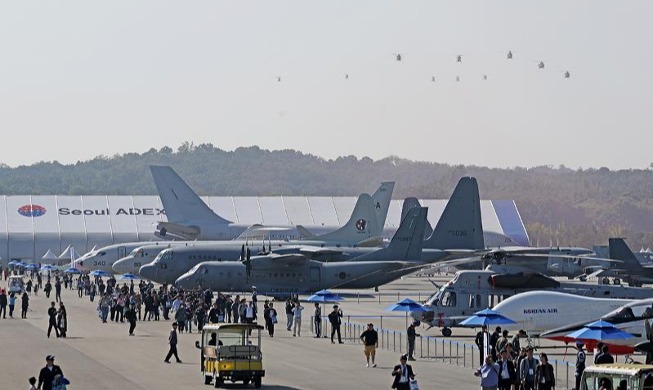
point(184, 281)
point(123, 266)
point(147, 271)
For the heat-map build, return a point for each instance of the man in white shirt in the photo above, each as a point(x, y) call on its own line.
point(297, 319)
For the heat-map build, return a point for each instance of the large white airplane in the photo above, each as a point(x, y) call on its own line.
point(361, 229)
point(189, 218)
point(539, 311)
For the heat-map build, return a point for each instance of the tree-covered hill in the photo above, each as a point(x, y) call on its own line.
point(558, 205)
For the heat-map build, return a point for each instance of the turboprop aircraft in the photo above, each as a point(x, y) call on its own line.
point(189, 218)
point(360, 229)
point(471, 291)
point(459, 227)
point(283, 274)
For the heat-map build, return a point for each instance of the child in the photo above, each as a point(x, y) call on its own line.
point(32, 383)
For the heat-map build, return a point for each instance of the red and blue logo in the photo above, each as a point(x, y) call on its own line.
point(31, 210)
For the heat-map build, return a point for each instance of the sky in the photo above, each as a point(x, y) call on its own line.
point(80, 79)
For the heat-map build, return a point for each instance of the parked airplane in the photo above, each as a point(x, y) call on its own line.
point(359, 229)
point(631, 271)
point(285, 274)
point(633, 317)
point(189, 218)
point(540, 311)
point(471, 291)
point(459, 227)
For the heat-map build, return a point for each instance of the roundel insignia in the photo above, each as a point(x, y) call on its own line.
point(361, 224)
point(31, 210)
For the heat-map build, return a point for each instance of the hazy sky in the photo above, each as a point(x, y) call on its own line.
point(80, 79)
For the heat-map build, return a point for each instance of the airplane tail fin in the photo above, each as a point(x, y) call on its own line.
point(408, 241)
point(409, 203)
point(381, 200)
point(619, 250)
point(181, 203)
point(362, 224)
point(460, 225)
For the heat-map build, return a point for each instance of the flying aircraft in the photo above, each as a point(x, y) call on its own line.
point(541, 65)
point(634, 318)
point(471, 291)
point(459, 58)
point(189, 218)
point(509, 55)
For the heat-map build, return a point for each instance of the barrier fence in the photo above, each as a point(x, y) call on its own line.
point(438, 349)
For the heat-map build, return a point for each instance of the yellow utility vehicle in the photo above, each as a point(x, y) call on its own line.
point(231, 352)
point(618, 376)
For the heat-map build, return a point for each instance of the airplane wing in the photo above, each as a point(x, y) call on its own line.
point(315, 250)
point(289, 259)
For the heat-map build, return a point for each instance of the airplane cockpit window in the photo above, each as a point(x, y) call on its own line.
point(620, 313)
point(202, 271)
point(449, 299)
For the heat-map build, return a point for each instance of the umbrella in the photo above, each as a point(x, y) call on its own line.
point(324, 296)
point(72, 270)
point(600, 330)
point(14, 262)
point(129, 276)
point(486, 317)
point(99, 272)
point(32, 266)
point(48, 267)
point(406, 305)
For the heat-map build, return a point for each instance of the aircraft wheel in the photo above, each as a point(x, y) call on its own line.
point(446, 332)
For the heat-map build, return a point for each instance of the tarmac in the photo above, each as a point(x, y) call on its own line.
point(102, 356)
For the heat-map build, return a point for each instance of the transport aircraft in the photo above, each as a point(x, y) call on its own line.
point(361, 228)
point(284, 274)
point(459, 227)
point(189, 218)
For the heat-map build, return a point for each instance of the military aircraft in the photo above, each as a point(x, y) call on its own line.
point(358, 230)
point(631, 271)
point(294, 273)
point(189, 218)
point(471, 291)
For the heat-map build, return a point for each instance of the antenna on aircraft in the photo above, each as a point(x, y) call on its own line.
point(509, 56)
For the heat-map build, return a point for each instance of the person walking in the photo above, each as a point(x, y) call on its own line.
point(317, 320)
point(172, 340)
point(12, 304)
point(370, 339)
point(289, 314)
point(48, 373)
point(580, 363)
point(403, 374)
point(297, 319)
point(544, 376)
point(130, 315)
point(411, 339)
point(62, 320)
point(489, 374)
point(482, 341)
point(25, 305)
point(52, 320)
point(527, 370)
point(335, 318)
point(3, 303)
point(506, 374)
point(270, 316)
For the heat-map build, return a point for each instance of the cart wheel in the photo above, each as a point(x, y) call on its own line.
point(446, 332)
point(257, 383)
